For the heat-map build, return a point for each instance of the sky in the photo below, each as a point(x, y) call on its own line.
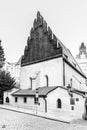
point(66, 18)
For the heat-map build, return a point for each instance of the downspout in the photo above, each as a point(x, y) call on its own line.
point(63, 73)
point(45, 104)
point(31, 82)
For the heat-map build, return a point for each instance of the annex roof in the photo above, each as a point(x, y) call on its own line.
point(43, 91)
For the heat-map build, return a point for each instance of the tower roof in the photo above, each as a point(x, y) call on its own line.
point(82, 46)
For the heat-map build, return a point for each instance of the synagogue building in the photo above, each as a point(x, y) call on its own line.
point(49, 77)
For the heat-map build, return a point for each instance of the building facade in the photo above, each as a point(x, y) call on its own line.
point(50, 78)
point(14, 70)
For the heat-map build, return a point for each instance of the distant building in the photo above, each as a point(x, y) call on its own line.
point(13, 69)
point(81, 58)
point(50, 79)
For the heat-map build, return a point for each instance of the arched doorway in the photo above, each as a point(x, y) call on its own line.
point(7, 99)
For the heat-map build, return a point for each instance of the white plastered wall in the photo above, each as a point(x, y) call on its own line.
point(76, 78)
point(53, 68)
point(8, 94)
point(30, 104)
point(62, 94)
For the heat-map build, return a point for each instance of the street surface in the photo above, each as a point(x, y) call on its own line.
point(10, 120)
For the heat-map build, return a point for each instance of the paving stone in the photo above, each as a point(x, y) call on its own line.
point(10, 120)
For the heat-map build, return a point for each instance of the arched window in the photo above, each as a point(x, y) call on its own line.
point(47, 80)
point(59, 103)
point(7, 99)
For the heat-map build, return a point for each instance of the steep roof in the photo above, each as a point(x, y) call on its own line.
point(82, 46)
point(68, 56)
point(43, 91)
point(42, 44)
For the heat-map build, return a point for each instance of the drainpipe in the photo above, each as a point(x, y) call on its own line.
point(31, 82)
point(63, 73)
point(45, 104)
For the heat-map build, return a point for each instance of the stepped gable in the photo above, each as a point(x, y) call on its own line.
point(41, 44)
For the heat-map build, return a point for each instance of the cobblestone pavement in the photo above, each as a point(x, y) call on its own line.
point(10, 120)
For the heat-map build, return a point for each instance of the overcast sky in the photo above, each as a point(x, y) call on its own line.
point(66, 18)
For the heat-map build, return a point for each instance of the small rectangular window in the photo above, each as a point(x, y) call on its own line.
point(16, 99)
point(72, 108)
point(72, 101)
point(36, 100)
point(25, 99)
point(77, 99)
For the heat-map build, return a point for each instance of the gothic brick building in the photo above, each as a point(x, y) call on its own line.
point(50, 77)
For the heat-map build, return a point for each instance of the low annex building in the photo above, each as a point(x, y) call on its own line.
point(50, 77)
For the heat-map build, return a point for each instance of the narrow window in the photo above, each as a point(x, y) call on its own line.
point(72, 108)
point(47, 80)
point(72, 101)
point(25, 99)
point(36, 100)
point(7, 99)
point(30, 82)
point(16, 99)
point(59, 104)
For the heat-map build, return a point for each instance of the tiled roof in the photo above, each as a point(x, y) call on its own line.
point(43, 91)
